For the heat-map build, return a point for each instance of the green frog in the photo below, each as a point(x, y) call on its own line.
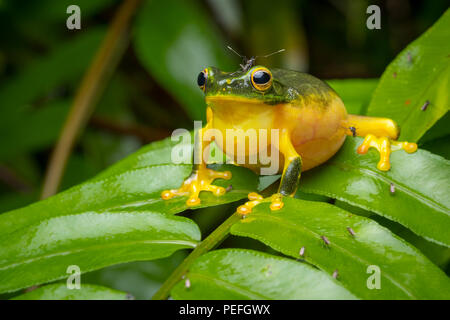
point(309, 115)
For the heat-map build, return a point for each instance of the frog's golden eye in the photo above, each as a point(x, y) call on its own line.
point(201, 79)
point(261, 79)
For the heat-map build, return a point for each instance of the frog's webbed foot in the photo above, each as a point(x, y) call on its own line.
point(385, 146)
point(276, 202)
point(199, 180)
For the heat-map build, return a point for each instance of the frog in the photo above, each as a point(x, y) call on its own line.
point(309, 115)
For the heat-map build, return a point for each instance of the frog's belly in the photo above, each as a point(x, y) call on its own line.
point(317, 133)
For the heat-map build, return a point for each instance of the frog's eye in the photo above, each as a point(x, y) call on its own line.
point(261, 79)
point(201, 79)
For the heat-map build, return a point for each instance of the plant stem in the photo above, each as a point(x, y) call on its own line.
point(213, 240)
point(89, 92)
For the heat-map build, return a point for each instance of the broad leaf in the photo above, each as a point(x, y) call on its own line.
point(247, 274)
point(59, 291)
point(135, 183)
point(404, 272)
point(421, 182)
point(41, 252)
point(419, 74)
point(111, 216)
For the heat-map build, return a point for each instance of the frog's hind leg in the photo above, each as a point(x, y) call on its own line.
point(378, 133)
point(289, 179)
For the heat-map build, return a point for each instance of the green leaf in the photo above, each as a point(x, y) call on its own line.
point(190, 42)
point(405, 272)
point(59, 291)
point(107, 220)
point(42, 252)
point(355, 93)
point(420, 73)
point(421, 181)
point(247, 274)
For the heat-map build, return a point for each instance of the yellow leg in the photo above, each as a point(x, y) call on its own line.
point(379, 133)
point(201, 178)
point(289, 179)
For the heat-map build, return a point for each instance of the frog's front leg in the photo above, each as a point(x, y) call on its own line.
point(379, 133)
point(201, 177)
point(289, 179)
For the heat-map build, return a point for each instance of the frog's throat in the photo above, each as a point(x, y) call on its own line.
point(231, 98)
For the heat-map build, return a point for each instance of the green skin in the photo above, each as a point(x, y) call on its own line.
point(287, 86)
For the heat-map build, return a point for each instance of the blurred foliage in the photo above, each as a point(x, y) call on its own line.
point(41, 64)
point(154, 90)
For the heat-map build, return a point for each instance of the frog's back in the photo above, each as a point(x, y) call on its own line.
point(303, 87)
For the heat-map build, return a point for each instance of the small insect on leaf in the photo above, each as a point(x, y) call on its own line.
point(425, 105)
point(350, 230)
point(335, 274)
point(325, 239)
point(392, 188)
point(302, 251)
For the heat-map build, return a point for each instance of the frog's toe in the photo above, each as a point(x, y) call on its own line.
point(409, 147)
point(198, 181)
point(385, 146)
point(168, 194)
point(216, 190)
point(219, 174)
point(255, 199)
point(193, 200)
point(276, 202)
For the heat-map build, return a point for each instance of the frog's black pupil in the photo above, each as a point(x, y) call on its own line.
point(261, 77)
point(201, 79)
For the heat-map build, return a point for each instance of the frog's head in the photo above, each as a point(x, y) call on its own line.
point(257, 84)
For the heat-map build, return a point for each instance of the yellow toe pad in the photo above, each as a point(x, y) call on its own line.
point(385, 146)
point(276, 202)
